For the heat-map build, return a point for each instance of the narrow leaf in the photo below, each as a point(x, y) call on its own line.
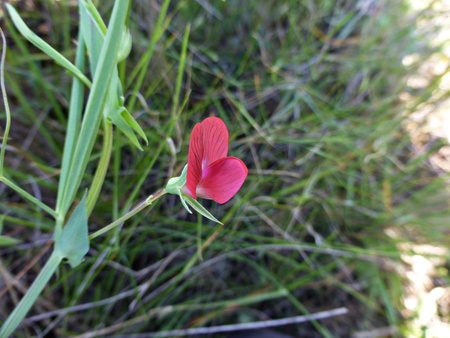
point(44, 46)
point(200, 209)
point(94, 34)
point(95, 104)
point(8, 241)
point(75, 113)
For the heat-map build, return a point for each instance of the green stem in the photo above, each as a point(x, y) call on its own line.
point(144, 62)
point(182, 65)
point(28, 196)
point(16, 317)
point(129, 214)
point(75, 113)
point(5, 102)
point(102, 167)
point(94, 106)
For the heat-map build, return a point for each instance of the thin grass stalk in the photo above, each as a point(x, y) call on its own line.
point(174, 115)
point(5, 103)
point(145, 60)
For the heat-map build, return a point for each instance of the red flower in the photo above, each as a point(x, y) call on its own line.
point(211, 173)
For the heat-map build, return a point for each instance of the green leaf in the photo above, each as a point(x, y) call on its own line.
point(199, 208)
point(75, 115)
point(123, 120)
point(73, 243)
point(94, 14)
point(107, 63)
point(92, 34)
point(44, 46)
point(8, 241)
point(92, 27)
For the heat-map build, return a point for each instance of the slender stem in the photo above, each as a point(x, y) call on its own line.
point(204, 245)
point(30, 297)
point(102, 167)
point(146, 58)
point(28, 196)
point(199, 237)
point(173, 113)
point(182, 65)
point(5, 102)
point(128, 215)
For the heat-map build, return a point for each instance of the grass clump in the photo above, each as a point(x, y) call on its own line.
point(310, 92)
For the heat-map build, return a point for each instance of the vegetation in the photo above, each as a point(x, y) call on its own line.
point(311, 93)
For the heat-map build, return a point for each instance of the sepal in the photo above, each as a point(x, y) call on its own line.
point(175, 186)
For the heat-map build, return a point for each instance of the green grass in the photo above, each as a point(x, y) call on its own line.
point(310, 93)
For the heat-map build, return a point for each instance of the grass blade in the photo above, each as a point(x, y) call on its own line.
point(44, 46)
point(92, 118)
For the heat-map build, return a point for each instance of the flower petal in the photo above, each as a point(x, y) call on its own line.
point(209, 142)
point(222, 179)
point(215, 140)
point(195, 158)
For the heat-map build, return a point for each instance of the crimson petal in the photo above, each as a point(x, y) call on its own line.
point(215, 140)
point(195, 158)
point(209, 142)
point(222, 179)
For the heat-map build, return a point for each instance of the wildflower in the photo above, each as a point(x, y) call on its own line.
point(211, 173)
